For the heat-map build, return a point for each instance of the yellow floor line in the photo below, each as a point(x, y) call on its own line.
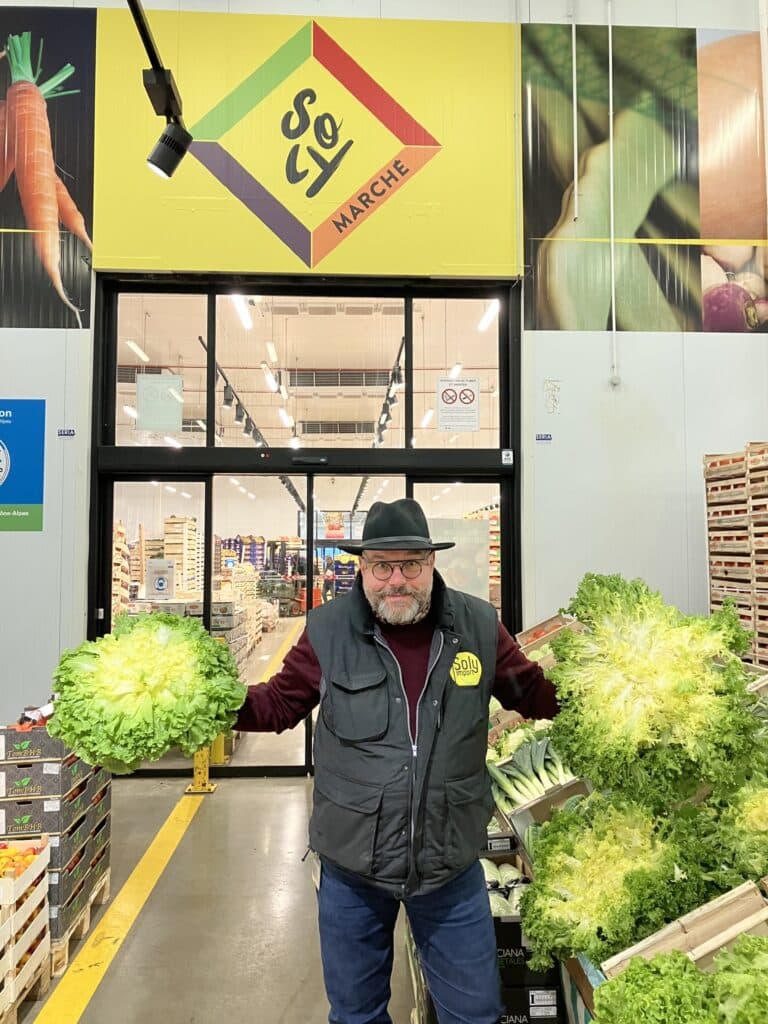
point(290, 638)
point(73, 993)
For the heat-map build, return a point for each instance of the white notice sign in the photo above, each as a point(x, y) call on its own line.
point(458, 404)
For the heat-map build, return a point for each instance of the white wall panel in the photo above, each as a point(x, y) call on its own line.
point(620, 487)
point(43, 591)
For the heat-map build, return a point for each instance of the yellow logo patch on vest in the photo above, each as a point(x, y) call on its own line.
point(466, 669)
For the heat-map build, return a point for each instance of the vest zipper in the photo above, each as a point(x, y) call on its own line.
point(414, 741)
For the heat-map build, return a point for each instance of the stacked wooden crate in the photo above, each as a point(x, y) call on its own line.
point(737, 534)
point(121, 571)
point(180, 547)
point(25, 937)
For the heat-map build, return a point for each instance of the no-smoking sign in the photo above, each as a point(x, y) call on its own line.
point(458, 404)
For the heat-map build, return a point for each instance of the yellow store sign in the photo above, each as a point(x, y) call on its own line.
point(333, 146)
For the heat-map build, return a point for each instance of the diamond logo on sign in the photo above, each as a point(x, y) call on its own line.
point(314, 140)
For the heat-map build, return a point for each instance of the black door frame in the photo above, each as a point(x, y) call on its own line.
point(111, 463)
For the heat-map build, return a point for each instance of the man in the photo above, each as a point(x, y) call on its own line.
point(403, 668)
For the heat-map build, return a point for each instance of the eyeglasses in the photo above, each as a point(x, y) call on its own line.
point(410, 568)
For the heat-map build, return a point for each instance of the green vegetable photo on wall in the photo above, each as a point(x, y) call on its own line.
point(156, 683)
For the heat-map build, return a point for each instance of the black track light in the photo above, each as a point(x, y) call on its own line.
point(229, 396)
point(239, 413)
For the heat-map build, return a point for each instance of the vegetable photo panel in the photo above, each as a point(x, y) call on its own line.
point(46, 166)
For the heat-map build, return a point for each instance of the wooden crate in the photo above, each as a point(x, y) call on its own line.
point(727, 492)
point(758, 483)
point(724, 466)
point(760, 571)
point(730, 517)
point(757, 455)
point(757, 508)
point(727, 916)
point(32, 982)
point(60, 948)
point(732, 567)
point(735, 541)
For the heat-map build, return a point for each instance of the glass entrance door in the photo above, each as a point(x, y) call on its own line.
point(469, 514)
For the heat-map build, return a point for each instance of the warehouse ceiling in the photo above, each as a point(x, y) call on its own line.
point(333, 358)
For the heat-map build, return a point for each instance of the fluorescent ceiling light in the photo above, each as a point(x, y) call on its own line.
point(427, 417)
point(243, 490)
point(295, 442)
point(175, 394)
point(385, 483)
point(155, 483)
point(489, 315)
point(173, 442)
point(452, 439)
point(456, 370)
point(271, 352)
point(201, 424)
point(270, 378)
point(171, 490)
point(138, 350)
point(435, 497)
point(285, 417)
point(445, 490)
point(242, 311)
point(251, 496)
point(185, 495)
point(284, 392)
point(130, 411)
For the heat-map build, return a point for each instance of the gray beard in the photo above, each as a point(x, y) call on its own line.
point(417, 610)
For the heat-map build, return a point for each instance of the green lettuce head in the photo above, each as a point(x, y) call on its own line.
point(156, 682)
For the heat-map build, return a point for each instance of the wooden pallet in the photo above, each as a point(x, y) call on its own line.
point(728, 492)
point(35, 987)
point(718, 467)
point(79, 927)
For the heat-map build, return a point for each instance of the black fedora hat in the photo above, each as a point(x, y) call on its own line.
point(396, 526)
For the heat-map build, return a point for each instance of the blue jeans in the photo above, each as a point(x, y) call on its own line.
point(453, 931)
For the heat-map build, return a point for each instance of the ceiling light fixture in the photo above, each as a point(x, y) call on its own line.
point(426, 419)
point(239, 412)
point(229, 396)
point(185, 495)
point(232, 480)
point(269, 377)
point(243, 312)
point(295, 441)
point(201, 424)
point(489, 315)
point(138, 351)
point(243, 490)
point(130, 411)
point(456, 370)
point(251, 496)
point(284, 392)
point(271, 352)
point(176, 395)
point(166, 102)
point(171, 490)
point(172, 442)
point(285, 417)
point(247, 427)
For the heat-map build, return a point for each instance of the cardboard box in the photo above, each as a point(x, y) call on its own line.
point(62, 882)
point(222, 608)
point(54, 815)
point(513, 956)
point(25, 779)
point(34, 744)
point(101, 836)
point(63, 916)
point(524, 1005)
point(195, 609)
point(101, 804)
point(66, 844)
point(169, 607)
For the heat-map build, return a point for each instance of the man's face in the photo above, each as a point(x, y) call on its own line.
point(399, 599)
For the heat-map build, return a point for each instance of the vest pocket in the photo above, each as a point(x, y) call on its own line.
point(345, 820)
point(359, 706)
point(470, 805)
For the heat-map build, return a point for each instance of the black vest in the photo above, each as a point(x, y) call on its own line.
point(407, 815)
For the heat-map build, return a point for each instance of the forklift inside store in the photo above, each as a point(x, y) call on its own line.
point(242, 430)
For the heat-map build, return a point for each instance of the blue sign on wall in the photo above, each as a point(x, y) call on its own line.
point(22, 462)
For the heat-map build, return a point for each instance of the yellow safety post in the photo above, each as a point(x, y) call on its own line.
point(201, 782)
point(218, 750)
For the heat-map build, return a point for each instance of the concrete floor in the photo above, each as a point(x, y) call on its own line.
point(229, 932)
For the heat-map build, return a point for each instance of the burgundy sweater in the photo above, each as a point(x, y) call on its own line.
point(291, 694)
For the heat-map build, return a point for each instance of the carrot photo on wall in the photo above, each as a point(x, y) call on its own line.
point(47, 65)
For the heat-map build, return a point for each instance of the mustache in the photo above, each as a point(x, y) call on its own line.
point(398, 591)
